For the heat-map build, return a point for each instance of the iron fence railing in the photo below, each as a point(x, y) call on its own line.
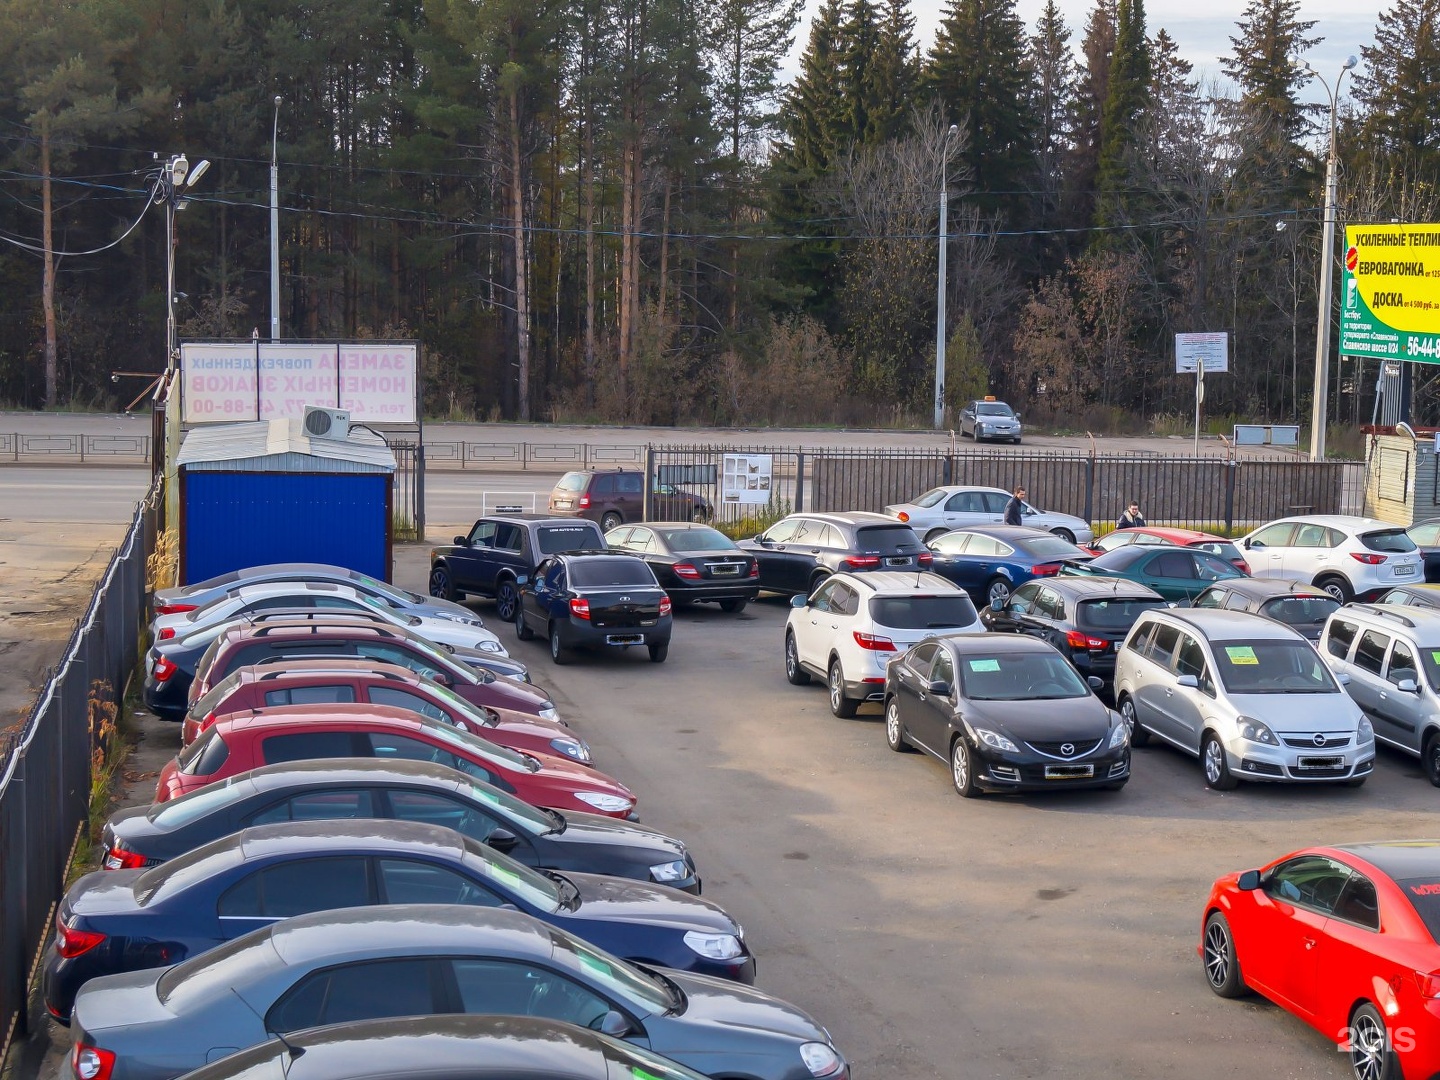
point(45, 764)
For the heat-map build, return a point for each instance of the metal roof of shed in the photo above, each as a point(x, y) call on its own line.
point(282, 446)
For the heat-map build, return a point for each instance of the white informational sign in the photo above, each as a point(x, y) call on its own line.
point(226, 382)
point(1202, 352)
point(745, 478)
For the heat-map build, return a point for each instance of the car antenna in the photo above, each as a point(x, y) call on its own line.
point(290, 1048)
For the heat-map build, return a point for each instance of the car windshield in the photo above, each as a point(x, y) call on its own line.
point(930, 498)
point(941, 612)
point(197, 804)
point(1113, 614)
point(1300, 610)
point(1223, 548)
point(994, 408)
point(553, 538)
point(1272, 666)
point(620, 571)
point(887, 538)
point(211, 973)
point(1424, 896)
point(210, 701)
point(1395, 541)
point(640, 1064)
point(1030, 676)
point(701, 539)
point(572, 481)
point(615, 975)
point(535, 889)
point(458, 705)
point(1050, 547)
point(179, 873)
point(535, 821)
point(482, 748)
point(384, 588)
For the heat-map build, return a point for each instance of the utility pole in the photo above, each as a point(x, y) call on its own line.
point(940, 282)
point(275, 226)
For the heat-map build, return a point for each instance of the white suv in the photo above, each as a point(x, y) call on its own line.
point(849, 628)
point(1351, 558)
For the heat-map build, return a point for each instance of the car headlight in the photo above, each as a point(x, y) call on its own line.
point(466, 620)
point(576, 751)
point(714, 946)
point(549, 713)
point(493, 647)
point(1120, 735)
point(820, 1059)
point(1254, 731)
point(995, 740)
point(670, 871)
point(1364, 731)
point(609, 804)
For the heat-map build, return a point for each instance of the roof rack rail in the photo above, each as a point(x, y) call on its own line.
point(1387, 612)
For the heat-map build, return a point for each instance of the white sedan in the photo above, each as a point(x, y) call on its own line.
point(956, 507)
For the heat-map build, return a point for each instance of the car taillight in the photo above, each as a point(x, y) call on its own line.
point(685, 570)
point(164, 668)
point(1367, 558)
point(92, 1063)
point(665, 605)
point(166, 633)
point(873, 643)
point(120, 858)
point(1243, 567)
point(71, 943)
point(754, 569)
point(925, 558)
point(1429, 983)
point(1046, 569)
point(1076, 640)
point(903, 516)
point(861, 562)
point(585, 501)
point(173, 609)
point(580, 608)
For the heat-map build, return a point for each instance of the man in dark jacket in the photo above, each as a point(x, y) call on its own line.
point(1015, 508)
point(1131, 518)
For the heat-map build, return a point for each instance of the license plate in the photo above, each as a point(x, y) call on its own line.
point(564, 504)
point(624, 639)
point(728, 570)
point(1320, 763)
point(903, 560)
point(1069, 772)
point(1401, 570)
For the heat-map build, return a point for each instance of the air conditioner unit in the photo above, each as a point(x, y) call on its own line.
point(320, 423)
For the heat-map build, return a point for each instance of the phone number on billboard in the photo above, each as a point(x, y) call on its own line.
point(1421, 346)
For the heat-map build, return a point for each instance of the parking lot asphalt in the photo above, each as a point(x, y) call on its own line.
point(996, 938)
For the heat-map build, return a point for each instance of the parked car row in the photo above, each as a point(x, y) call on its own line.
point(361, 826)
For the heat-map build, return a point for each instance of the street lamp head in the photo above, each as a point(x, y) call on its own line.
point(1350, 62)
point(277, 101)
point(1280, 226)
point(954, 130)
point(179, 166)
point(197, 174)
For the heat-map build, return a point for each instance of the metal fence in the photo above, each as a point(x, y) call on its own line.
point(1211, 492)
point(45, 765)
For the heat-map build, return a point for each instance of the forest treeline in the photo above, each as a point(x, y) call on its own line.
point(619, 210)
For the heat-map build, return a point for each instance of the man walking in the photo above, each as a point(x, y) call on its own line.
point(1015, 508)
point(1131, 518)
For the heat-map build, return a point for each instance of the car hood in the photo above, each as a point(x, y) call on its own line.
point(562, 772)
point(103, 892)
point(1300, 712)
point(507, 694)
point(599, 831)
point(434, 607)
point(612, 899)
point(1043, 721)
point(728, 1009)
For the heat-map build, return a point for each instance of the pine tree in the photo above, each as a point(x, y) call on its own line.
point(1055, 84)
point(861, 34)
point(1093, 86)
point(1265, 64)
point(1176, 118)
point(748, 41)
point(1126, 103)
point(978, 70)
point(1398, 83)
point(894, 71)
point(814, 106)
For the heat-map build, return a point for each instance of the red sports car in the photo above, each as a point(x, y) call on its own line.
point(1346, 938)
point(247, 740)
point(1154, 534)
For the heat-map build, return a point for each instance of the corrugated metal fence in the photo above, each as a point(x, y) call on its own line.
point(45, 764)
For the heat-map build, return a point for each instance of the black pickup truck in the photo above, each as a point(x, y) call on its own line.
point(502, 551)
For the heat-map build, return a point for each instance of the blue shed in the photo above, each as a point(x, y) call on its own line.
point(266, 492)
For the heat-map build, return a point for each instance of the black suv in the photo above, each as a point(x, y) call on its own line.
point(617, 496)
point(1084, 618)
point(585, 599)
point(503, 551)
point(797, 553)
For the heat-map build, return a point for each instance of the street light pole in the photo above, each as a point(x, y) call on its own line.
point(1318, 408)
point(940, 282)
point(275, 226)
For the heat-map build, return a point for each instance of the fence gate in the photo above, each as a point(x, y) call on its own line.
point(408, 513)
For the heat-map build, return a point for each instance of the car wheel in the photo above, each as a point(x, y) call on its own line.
point(842, 706)
point(558, 652)
point(1016, 441)
point(440, 584)
point(1217, 770)
point(699, 515)
point(523, 632)
point(1138, 735)
point(794, 673)
point(1430, 758)
point(818, 578)
point(659, 652)
point(734, 606)
point(1337, 587)
point(1371, 1056)
point(998, 589)
point(894, 729)
point(934, 533)
point(962, 768)
point(609, 521)
point(507, 600)
point(1222, 969)
point(1064, 534)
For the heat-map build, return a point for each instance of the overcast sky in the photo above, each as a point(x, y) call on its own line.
point(1345, 25)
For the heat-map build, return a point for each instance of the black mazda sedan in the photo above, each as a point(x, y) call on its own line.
point(1007, 713)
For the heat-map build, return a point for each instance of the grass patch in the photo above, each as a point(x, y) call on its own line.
point(755, 521)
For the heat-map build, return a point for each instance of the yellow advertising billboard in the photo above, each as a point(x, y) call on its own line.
point(1390, 292)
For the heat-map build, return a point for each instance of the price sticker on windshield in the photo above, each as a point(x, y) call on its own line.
point(1435, 653)
point(1241, 655)
point(984, 665)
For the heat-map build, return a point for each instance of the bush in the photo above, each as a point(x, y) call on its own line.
point(756, 521)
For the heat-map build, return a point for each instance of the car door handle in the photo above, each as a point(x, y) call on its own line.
point(814, 551)
point(1309, 943)
point(1169, 692)
point(1384, 696)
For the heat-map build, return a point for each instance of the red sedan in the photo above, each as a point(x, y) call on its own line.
point(1154, 534)
point(239, 742)
point(1346, 939)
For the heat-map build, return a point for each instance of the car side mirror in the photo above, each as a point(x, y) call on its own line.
point(443, 678)
point(800, 600)
point(1188, 681)
point(1097, 683)
point(1017, 418)
point(1249, 881)
point(462, 541)
point(502, 840)
point(615, 1025)
point(1344, 678)
point(1251, 543)
point(938, 686)
point(1407, 686)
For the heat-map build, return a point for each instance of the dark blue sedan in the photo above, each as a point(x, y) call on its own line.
point(990, 562)
point(125, 920)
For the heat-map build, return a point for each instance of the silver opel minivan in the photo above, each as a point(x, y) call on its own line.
point(1248, 696)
